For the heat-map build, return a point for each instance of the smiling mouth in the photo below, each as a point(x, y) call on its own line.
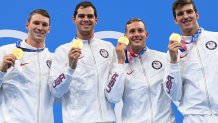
point(137, 40)
point(39, 33)
point(186, 22)
point(86, 24)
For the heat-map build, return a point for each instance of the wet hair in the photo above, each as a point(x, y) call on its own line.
point(39, 11)
point(180, 3)
point(134, 20)
point(85, 4)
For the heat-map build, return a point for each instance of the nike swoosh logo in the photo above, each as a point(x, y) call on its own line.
point(22, 64)
point(130, 72)
point(81, 57)
point(183, 56)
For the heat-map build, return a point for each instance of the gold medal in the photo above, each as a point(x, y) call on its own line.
point(77, 43)
point(18, 53)
point(124, 40)
point(175, 37)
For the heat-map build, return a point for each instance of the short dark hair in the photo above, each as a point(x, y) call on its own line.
point(39, 11)
point(181, 3)
point(85, 4)
point(134, 20)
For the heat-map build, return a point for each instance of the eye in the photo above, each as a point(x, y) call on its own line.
point(36, 22)
point(45, 24)
point(179, 13)
point(131, 31)
point(90, 16)
point(140, 30)
point(190, 11)
point(81, 15)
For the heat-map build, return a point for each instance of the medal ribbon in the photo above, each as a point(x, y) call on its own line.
point(133, 55)
point(194, 38)
point(27, 50)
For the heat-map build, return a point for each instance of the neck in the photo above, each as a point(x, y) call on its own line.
point(85, 37)
point(36, 44)
point(190, 32)
point(136, 50)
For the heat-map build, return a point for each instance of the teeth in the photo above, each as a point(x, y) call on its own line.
point(85, 24)
point(186, 21)
point(39, 32)
point(137, 40)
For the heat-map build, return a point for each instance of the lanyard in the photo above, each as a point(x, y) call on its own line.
point(133, 55)
point(194, 38)
point(27, 50)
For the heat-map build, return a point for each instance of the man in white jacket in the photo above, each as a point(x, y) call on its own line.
point(191, 72)
point(139, 84)
point(78, 75)
point(24, 72)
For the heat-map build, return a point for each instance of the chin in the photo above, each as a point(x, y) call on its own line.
point(39, 39)
point(85, 32)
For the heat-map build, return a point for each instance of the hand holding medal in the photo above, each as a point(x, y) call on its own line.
point(123, 40)
point(175, 37)
point(18, 53)
point(77, 43)
point(75, 52)
point(120, 49)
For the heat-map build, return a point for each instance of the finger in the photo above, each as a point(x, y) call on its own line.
point(174, 48)
point(175, 45)
point(121, 44)
point(8, 62)
point(74, 56)
point(173, 41)
point(10, 58)
point(74, 50)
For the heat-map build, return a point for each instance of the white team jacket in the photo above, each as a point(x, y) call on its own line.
point(194, 80)
point(82, 89)
point(141, 89)
point(25, 92)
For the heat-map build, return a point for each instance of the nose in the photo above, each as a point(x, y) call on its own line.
point(185, 15)
point(86, 18)
point(40, 26)
point(136, 33)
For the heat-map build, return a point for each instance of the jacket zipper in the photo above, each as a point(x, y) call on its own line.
point(100, 109)
point(39, 94)
point(205, 83)
point(149, 89)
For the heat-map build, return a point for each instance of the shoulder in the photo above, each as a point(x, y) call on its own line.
point(104, 42)
point(8, 47)
point(156, 53)
point(63, 48)
point(210, 33)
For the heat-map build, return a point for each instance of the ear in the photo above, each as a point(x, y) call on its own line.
point(27, 25)
point(96, 20)
point(197, 15)
point(126, 36)
point(49, 29)
point(146, 34)
point(73, 19)
point(176, 22)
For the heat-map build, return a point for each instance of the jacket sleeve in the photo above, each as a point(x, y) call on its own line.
point(172, 81)
point(115, 85)
point(1, 59)
point(60, 74)
point(1, 78)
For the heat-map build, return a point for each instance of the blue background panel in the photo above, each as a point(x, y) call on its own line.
point(112, 16)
